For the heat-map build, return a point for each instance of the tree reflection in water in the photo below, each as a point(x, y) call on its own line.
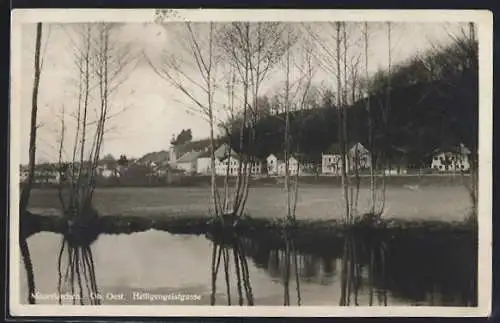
point(228, 245)
point(80, 233)
point(436, 269)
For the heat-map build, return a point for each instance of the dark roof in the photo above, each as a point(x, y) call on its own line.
point(189, 157)
point(197, 145)
point(158, 156)
point(224, 151)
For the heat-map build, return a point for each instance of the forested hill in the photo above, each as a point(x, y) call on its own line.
point(423, 115)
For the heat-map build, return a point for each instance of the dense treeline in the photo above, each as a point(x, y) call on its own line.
point(433, 104)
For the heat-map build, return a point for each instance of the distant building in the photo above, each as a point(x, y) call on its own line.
point(47, 174)
point(331, 160)
point(451, 159)
point(178, 151)
point(276, 165)
point(188, 161)
point(204, 166)
point(357, 159)
point(230, 165)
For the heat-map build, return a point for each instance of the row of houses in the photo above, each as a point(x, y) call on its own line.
point(194, 158)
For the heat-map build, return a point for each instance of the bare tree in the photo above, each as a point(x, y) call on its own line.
point(102, 64)
point(25, 193)
point(385, 118)
point(460, 61)
point(200, 60)
point(370, 124)
point(253, 49)
point(337, 53)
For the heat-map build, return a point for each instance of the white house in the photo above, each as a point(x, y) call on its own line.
point(358, 158)
point(105, 170)
point(272, 165)
point(331, 160)
point(107, 173)
point(293, 167)
point(276, 165)
point(451, 159)
point(204, 164)
point(188, 162)
point(47, 174)
point(256, 168)
point(233, 162)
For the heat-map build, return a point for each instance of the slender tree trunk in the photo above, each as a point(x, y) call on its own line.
point(26, 191)
point(287, 133)
point(25, 194)
point(385, 154)
point(341, 124)
point(370, 126)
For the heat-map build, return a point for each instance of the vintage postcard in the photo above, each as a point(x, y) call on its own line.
point(250, 162)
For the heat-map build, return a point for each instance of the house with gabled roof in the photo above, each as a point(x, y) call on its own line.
point(188, 161)
point(180, 150)
point(221, 153)
point(358, 157)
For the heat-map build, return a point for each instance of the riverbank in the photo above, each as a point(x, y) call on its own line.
point(303, 232)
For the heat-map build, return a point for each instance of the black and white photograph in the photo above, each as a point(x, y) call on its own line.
point(208, 162)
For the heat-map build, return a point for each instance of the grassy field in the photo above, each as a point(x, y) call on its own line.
point(426, 202)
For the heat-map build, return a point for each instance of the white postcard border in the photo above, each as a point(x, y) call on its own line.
point(484, 20)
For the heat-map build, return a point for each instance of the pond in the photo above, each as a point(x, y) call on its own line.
point(156, 267)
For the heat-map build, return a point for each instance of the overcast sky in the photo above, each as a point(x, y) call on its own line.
point(154, 110)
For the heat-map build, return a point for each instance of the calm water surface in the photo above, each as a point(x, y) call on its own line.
point(157, 262)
